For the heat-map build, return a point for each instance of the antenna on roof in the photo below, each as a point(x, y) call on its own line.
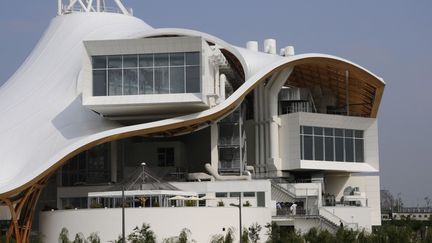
point(87, 6)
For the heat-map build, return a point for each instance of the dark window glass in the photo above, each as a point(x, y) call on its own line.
point(130, 82)
point(166, 157)
point(146, 81)
point(328, 131)
point(338, 132)
point(221, 194)
point(99, 62)
point(339, 148)
point(99, 83)
point(193, 80)
point(193, 58)
point(318, 130)
point(358, 133)
point(308, 150)
point(234, 194)
point(301, 147)
point(349, 133)
point(160, 60)
point(248, 194)
point(359, 151)
point(349, 150)
point(177, 59)
point(161, 80)
point(261, 199)
point(329, 148)
point(114, 62)
point(307, 130)
point(177, 84)
point(146, 60)
point(130, 61)
point(319, 150)
point(114, 82)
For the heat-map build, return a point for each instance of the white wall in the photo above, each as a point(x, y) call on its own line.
point(360, 216)
point(335, 184)
point(165, 222)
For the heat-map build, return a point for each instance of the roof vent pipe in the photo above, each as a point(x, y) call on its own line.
point(287, 51)
point(270, 46)
point(252, 45)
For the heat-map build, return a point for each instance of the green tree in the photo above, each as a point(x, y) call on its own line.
point(245, 236)
point(254, 232)
point(142, 235)
point(93, 238)
point(79, 238)
point(64, 236)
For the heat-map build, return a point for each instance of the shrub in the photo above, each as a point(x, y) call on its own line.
point(247, 204)
point(64, 236)
point(93, 238)
point(142, 235)
point(220, 204)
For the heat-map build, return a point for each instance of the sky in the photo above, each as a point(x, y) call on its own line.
point(392, 38)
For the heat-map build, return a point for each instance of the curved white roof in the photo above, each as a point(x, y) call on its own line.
point(44, 121)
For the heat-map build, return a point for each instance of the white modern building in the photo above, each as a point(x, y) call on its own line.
point(187, 125)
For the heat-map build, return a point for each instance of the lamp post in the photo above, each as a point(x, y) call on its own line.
point(143, 164)
point(240, 216)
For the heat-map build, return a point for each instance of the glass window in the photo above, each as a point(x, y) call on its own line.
point(99, 83)
point(319, 148)
point(307, 130)
point(146, 81)
point(146, 60)
point(177, 84)
point(349, 150)
point(177, 59)
point(99, 62)
point(318, 130)
point(308, 147)
point(130, 61)
point(130, 82)
point(358, 133)
point(339, 149)
point(115, 82)
point(328, 131)
point(221, 194)
point(114, 61)
point(166, 157)
point(349, 133)
point(192, 58)
point(160, 60)
point(329, 148)
point(338, 132)
point(161, 80)
point(359, 151)
point(234, 194)
point(193, 79)
point(248, 194)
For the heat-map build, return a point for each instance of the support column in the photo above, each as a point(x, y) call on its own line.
point(274, 117)
point(114, 160)
point(214, 138)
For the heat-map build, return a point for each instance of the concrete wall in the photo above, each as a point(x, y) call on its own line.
point(335, 184)
point(165, 222)
point(354, 216)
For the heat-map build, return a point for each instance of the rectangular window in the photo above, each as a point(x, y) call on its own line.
point(161, 80)
point(248, 194)
point(130, 82)
point(308, 147)
point(166, 157)
point(359, 150)
point(349, 150)
point(318, 148)
point(146, 81)
point(234, 194)
point(339, 149)
point(329, 148)
point(115, 82)
point(159, 73)
point(99, 83)
point(221, 194)
point(193, 79)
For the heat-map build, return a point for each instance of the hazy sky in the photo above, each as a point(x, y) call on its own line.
point(391, 38)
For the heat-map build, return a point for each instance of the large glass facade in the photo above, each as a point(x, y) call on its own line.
point(159, 73)
point(331, 144)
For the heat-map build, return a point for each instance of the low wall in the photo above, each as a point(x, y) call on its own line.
point(165, 222)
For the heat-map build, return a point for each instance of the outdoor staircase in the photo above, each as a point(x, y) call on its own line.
point(281, 194)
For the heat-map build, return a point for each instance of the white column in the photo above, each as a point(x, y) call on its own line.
point(114, 161)
point(214, 139)
point(273, 115)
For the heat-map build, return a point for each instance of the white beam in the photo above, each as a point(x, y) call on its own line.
point(121, 7)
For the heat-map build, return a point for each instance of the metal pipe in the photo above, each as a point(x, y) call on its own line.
point(123, 216)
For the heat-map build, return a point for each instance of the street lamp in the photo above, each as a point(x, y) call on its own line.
point(240, 215)
point(143, 164)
